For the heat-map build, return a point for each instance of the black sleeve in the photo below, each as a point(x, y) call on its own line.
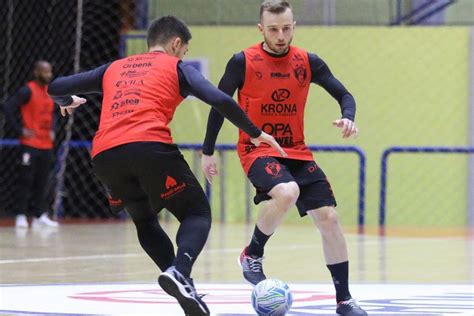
point(12, 107)
point(232, 80)
point(321, 75)
point(202, 89)
point(62, 88)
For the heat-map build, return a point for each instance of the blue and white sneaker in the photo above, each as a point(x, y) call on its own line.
point(182, 288)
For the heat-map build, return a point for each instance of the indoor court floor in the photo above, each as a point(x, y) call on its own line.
point(100, 269)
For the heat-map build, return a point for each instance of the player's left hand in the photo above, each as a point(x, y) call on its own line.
point(76, 102)
point(348, 128)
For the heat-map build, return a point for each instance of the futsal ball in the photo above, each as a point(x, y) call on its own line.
point(271, 297)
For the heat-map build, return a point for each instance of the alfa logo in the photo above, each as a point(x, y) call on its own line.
point(273, 168)
point(280, 95)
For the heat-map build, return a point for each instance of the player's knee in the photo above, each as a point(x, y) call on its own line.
point(286, 193)
point(328, 217)
point(204, 213)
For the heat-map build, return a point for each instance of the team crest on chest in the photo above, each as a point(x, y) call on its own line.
point(300, 73)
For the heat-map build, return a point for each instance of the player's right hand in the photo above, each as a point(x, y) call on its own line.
point(208, 166)
point(268, 139)
point(76, 102)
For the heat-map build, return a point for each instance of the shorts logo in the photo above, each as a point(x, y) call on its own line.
point(273, 168)
point(312, 168)
point(172, 188)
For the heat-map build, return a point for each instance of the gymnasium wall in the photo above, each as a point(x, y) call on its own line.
point(411, 88)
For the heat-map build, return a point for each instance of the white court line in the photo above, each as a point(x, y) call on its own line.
point(225, 250)
point(130, 255)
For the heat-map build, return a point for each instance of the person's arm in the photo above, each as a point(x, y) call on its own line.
point(198, 86)
point(202, 89)
point(12, 106)
point(62, 88)
point(232, 80)
point(322, 76)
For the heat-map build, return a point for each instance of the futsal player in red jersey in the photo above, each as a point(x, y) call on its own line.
point(35, 129)
point(273, 79)
point(133, 151)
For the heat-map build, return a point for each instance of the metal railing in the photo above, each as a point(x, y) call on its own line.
point(408, 149)
point(221, 150)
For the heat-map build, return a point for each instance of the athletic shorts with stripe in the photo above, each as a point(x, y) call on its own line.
point(315, 189)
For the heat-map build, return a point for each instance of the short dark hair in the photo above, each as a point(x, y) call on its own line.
point(39, 63)
point(274, 6)
point(163, 29)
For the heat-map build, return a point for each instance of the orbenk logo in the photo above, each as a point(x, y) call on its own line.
point(172, 187)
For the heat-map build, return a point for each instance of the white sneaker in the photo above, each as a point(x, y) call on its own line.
point(21, 221)
point(43, 221)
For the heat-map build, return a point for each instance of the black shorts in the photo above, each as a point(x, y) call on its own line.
point(315, 189)
point(149, 176)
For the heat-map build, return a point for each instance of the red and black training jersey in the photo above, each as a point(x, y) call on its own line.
point(141, 93)
point(37, 115)
point(276, 86)
point(274, 97)
point(140, 96)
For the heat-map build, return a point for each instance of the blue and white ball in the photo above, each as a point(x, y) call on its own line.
point(272, 297)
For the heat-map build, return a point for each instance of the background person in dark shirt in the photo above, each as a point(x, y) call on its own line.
point(273, 79)
point(34, 126)
point(134, 155)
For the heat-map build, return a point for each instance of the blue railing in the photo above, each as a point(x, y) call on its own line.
point(408, 149)
point(221, 149)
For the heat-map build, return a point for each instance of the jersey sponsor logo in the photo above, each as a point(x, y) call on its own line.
point(280, 95)
point(132, 91)
point(249, 148)
point(120, 93)
point(259, 75)
point(273, 169)
point(121, 113)
point(128, 83)
point(281, 132)
point(281, 109)
point(132, 73)
point(137, 58)
point(138, 65)
point(297, 57)
point(256, 57)
point(300, 75)
point(280, 75)
point(117, 105)
point(172, 188)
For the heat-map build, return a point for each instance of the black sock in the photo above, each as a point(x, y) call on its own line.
point(340, 278)
point(257, 243)
point(191, 238)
